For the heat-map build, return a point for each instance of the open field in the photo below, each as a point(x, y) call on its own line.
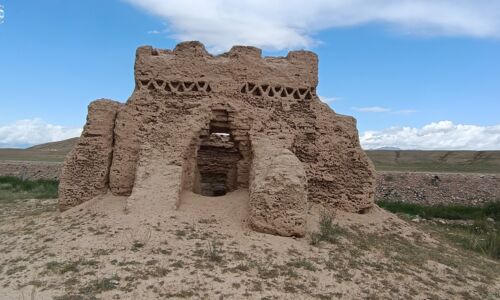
point(55, 152)
point(204, 250)
point(384, 160)
point(436, 161)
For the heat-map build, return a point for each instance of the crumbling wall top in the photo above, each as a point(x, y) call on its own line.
point(190, 60)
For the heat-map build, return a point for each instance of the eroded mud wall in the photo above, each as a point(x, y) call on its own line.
point(85, 173)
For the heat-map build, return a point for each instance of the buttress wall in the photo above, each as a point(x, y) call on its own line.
point(85, 173)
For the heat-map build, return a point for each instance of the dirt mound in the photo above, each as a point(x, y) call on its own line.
point(206, 249)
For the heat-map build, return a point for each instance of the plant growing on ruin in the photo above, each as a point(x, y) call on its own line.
point(328, 232)
point(213, 252)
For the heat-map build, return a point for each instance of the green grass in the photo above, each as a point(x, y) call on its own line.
point(482, 236)
point(450, 212)
point(213, 252)
point(100, 285)
point(13, 188)
point(328, 232)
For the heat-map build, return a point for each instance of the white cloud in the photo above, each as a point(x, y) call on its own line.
point(283, 24)
point(443, 135)
point(2, 14)
point(329, 99)
point(34, 131)
point(379, 109)
point(375, 109)
point(405, 111)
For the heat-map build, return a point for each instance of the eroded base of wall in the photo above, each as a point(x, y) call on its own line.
point(278, 195)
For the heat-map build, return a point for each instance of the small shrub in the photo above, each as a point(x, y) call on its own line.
point(388, 177)
point(487, 244)
point(137, 245)
point(315, 238)
point(491, 245)
point(482, 226)
point(100, 285)
point(492, 210)
point(65, 267)
point(328, 232)
point(213, 253)
point(331, 263)
point(302, 263)
point(157, 271)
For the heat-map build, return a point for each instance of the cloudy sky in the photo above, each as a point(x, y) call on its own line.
point(416, 74)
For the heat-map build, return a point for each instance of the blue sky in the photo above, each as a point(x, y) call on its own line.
point(414, 77)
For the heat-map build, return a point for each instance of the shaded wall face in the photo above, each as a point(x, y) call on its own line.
point(217, 164)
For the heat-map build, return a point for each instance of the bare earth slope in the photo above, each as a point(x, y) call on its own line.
point(205, 250)
point(55, 152)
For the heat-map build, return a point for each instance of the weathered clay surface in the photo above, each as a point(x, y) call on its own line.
point(278, 196)
point(157, 187)
point(186, 97)
point(86, 169)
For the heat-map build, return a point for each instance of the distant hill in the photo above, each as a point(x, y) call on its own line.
point(387, 148)
point(61, 146)
point(55, 151)
point(384, 159)
point(436, 161)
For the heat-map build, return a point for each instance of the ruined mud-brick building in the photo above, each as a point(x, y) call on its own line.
point(214, 124)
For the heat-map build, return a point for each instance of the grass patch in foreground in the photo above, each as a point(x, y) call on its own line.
point(13, 188)
point(328, 232)
point(450, 212)
point(483, 236)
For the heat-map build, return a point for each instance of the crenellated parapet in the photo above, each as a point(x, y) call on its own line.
point(190, 62)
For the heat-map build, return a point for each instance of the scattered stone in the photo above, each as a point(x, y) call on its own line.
point(450, 188)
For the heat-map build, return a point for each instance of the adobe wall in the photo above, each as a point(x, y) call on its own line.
point(85, 173)
point(177, 92)
point(284, 145)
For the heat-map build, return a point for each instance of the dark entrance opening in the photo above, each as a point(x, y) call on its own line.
point(219, 160)
point(213, 184)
